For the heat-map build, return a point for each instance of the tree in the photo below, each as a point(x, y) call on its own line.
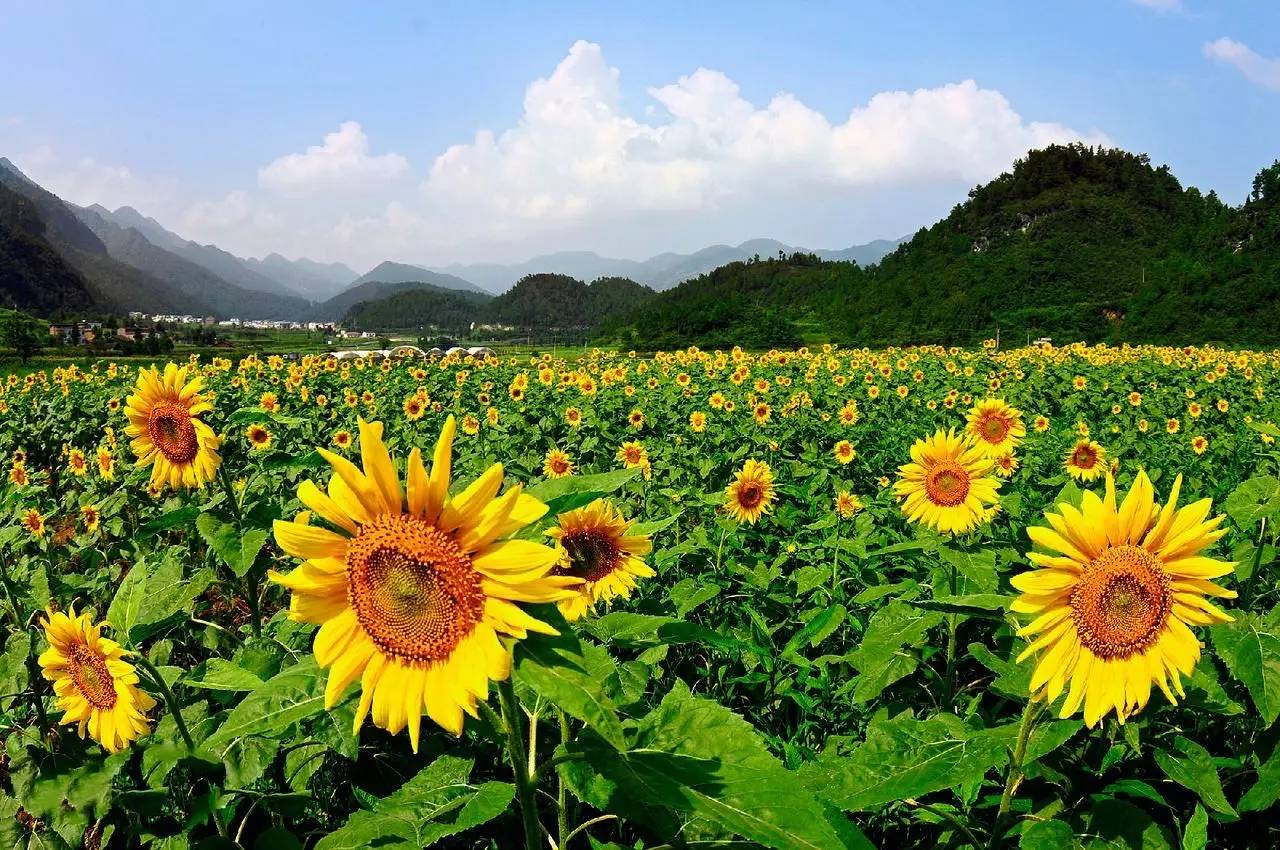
point(23, 334)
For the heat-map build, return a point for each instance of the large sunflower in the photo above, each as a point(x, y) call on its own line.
point(413, 587)
point(948, 484)
point(595, 547)
point(96, 689)
point(1085, 462)
point(168, 434)
point(996, 427)
point(1116, 592)
point(751, 494)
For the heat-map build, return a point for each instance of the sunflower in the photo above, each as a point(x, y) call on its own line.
point(33, 522)
point(573, 416)
point(750, 495)
point(595, 547)
point(847, 504)
point(106, 464)
point(413, 587)
point(342, 439)
point(697, 421)
point(18, 475)
point(632, 454)
point(258, 436)
point(1199, 444)
point(1116, 591)
point(844, 452)
point(947, 485)
point(996, 427)
point(95, 687)
point(636, 419)
point(1042, 423)
point(556, 464)
point(414, 408)
point(269, 402)
point(1006, 465)
point(168, 434)
point(77, 463)
point(92, 518)
point(1085, 461)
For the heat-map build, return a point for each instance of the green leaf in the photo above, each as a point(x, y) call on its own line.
point(553, 667)
point(972, 604)
point(904, 757)
point(694, 755)
point(1250, 647)
point(1120, 825)
point(294, 694)
point(168, 593)
point(13, 663)
point(817, 629)
point(574, 491)
point(1196, 834)
point(1264, 793)
point(436, 803)
point(222, 675)
point(237, 550)
point(1254, 499)
point(653, 526)
point(880, 660)
point(172, 519)
point(624, 627)
point(1192, 767)
point(976, 569)
point(126, 605)
point(1047, 835)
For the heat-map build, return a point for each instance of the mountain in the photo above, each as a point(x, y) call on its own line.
point(374, 290)
point(126, 271)
point(389, 272)
point(227, 266)
point(422, 307)
point(33, 275)
point(1074, 243)
point(659, 272)
point(317, 281)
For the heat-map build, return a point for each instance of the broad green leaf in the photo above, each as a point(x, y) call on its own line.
point(1120, 825)
point(991, 605)
point(694, 755)
point(1191, 766)
point(13, 663)
point(1047, 835)
point(167, 594)
point(294, 694)
point(574, 491)
point(222, 675)
point(1263, 794)
point(817, 629)
point(1196, 834)
point(237, 550)
point(688, 594)
point(976, 570)
point(553, 667)
point(1250, 647)
point(130, 597)
point(653, 527)
point(436, 803)
point(1254, 499)
point(180, 516)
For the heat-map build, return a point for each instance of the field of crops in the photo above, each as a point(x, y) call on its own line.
point(815, 599)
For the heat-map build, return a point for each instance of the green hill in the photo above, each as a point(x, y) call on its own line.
point(1072, 243)
point(557, 301)
point(33, 275)
point(447, 310)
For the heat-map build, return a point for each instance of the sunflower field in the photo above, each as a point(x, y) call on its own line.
point(822, 598)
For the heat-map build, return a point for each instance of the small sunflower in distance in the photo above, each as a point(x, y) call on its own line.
point(996, 427)
point(96, 688)
point(596, 548)
point(556, 464)
point(168, 434)
point(847, 504)
point(844, 452)
point(1115, 593)
point(948, 484)
point(633, 455)
point(1085, 463)
point(258, 436)
point(413, 588)
point(750, 495)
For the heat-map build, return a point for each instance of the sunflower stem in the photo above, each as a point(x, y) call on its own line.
point(169, 699)
point(1013, 776)
point(526, 791)
point(563, 835)
point(949, 680)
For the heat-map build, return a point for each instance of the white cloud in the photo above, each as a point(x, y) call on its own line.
point(577, 155)
point(231, 210)
point(87, 181)
point(1255, 68)
point(342, 163)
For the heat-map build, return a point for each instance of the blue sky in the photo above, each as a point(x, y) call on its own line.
point(350, 133)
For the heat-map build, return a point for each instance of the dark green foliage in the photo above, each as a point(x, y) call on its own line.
point(22, 333)
point(562, 302)
point(1074, 243)
point(429, 307)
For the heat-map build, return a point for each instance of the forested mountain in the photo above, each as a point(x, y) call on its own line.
point(33, 275)
point(1072, 243)
point(537, 302)
point(389, 272)
point(317, 281)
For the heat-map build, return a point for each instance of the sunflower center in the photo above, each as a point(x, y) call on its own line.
point(413, 590)
point(593, 554)
point(994, 429)
point(947, 483)
point(1085, 457)
point(1121, 602)
point(92, 678)
point(750, 494)
point(170, 429)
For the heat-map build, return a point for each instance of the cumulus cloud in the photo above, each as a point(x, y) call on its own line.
point(87, 181)
point(235, 208)
point(1253, 67)
point(576, 153)
point(341, 163)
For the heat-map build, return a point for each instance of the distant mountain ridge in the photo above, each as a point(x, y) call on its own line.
point(659, 272)
point(389, 272)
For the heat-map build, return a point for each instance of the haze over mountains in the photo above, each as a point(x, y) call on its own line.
point(62, 258)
